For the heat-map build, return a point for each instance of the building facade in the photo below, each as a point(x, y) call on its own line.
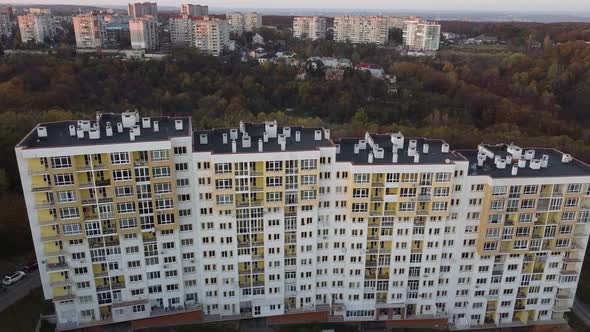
point(140, 9)
point(144, 33)
point(143, 218)
point(194, 10)
point(421, 35)
point(240, 22)
point(5, 22)
point(361, 29)
point(35, 28)
point(212, 36)
point(90, 30)
point(312, 27)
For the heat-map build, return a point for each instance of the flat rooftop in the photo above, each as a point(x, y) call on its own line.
point(555, 166)
point(433, 154)
point(58, 134)
point(297, 138)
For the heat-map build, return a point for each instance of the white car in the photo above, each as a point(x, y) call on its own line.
point(12, 278)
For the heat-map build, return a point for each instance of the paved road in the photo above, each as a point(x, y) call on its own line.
point(582, 311)
point(19, 290)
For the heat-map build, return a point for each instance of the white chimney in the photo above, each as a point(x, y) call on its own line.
point(413, 144)
point(146, 123)
point(362, 144)
point(394, 158)
point(370, 157)
point(178, 124)
point(337, 148)
point(246, 141)
point(514, 170)
point(282, 142)
point(233, 133)
point(566, 158)
point(416, 158)
point(425, 148)
point(317, 135)
point(515, 151)
point(545, 161)
point(481, 158)
point(80, 133)
point(379, 153)
point(271, 129)
point(84, 124)
point(411, 151)
point(203, 139)
point(234, 146)
point(521, 163)
point(297, 136)
point(136, 130)
point(535, 164)
point(224, 138)
point(327, 133)
point(397, 139)
point(242, 127)
point(109, 129)
point(287, 131)
point(444, 148)
point(156, 126)
point(265, 137)
point(260, 145)
point(119, 127)
point(131, 136)
point(501, 164)
point(356, 149)
point(509, 159)
point(94, 133)
point(128, 119)
point(72, 130)
point(529, 154)
point(41, 131)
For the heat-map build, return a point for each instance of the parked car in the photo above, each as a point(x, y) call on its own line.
point(12, 278)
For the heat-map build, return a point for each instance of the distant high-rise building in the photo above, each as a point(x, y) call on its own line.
point(209, 35)
point(40, 11)
point(90, 30)
point(6, 22)
point(312, 27)
point(240, 22)
point(144, 33)
point(194, 10)
point(140, 9)
point(35, 28)
point(361, 29)
point(421, 35)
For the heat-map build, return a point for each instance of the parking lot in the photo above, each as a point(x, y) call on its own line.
point(19, 290)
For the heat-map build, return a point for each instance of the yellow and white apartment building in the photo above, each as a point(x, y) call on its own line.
point(135, 217)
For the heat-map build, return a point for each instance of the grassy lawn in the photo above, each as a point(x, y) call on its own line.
point(24, 314)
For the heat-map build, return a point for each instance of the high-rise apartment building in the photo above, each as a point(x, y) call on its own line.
point(207, 34)
point(145, 220)
point(144, 33)
point(35, 28)
point(90, 30)
point(309, 27)
point(181, 30)
point(421, 35)
point(6, 21)
point(240, 22)
point(361, 29)
point(140, 9)
point(194, 10)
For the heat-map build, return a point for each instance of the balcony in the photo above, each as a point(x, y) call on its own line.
point(53, 267)
point(41, 188)
point(50, 237)
point(44, 205)
point(424, 198)
point(47, 221)
point(38, 171)
point(64, 297)
point(422, 212)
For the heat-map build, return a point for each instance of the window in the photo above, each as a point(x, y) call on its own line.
point(121, 175)
point(361, 178)
point(308, 179)
point(63, 179)
point(360, 192)
point(179, 150)
point(309, 164)
point(224, 199)
point(126, 207)
point(274, 166)
point(61, 162)
point(160, 155)
point(161, 172)
point(182, 182)
point(124, 191)
point(221, 184)
point(181, 167)
point(70, 229)
point(66, 196)
point(119, 158)
point(162, 188)
point(274, 181)
point(359, 207)
point(443, 177)
point(222, 168)
point(127, 223)
point(69, 213)
point(274, 196)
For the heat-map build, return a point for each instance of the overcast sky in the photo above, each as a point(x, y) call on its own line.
point(497, 5)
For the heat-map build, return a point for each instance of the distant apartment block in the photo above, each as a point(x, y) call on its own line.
point(209, 35)
point(240, 22)
point(421, 35)
point(361, 29)
point(90, 30)
point(6, 22)
point(194, 10)
point(143, 220)
point(35, 28)
point(40, 11)
point(144, 33)
point(309, 27)
point(140, 9)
